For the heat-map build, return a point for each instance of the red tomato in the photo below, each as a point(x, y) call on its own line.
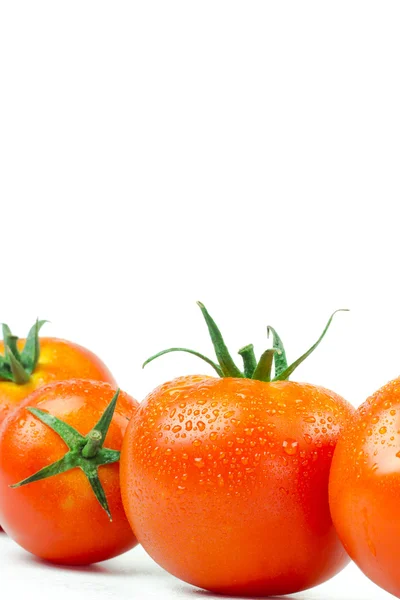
point(225, 481)
point(365, 487)
point(59, 518)
point(55, 360)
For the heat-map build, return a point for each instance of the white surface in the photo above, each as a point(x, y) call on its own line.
point(245, 154)
point(135, 575)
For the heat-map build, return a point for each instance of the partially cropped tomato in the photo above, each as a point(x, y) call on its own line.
point(364, 487)
point(225, 481)
point(26, 364)
point(59, 451)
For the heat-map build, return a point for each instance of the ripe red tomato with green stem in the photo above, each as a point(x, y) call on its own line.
point(364, 487)
point(225, 480)
point(60, 493)
point(27, 364)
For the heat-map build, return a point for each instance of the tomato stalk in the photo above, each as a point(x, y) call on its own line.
point(18, 366)
point(85, 452)
point(93, 445)
point(263, 369)
point(272, 359)
point(249, 360)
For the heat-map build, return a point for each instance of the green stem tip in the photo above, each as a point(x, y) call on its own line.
point(249, 360)
point(93, 445)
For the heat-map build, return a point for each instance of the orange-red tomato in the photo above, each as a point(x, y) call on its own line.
point(59, 360)
point(225, 482)
point(59, 518)
point(364, 487)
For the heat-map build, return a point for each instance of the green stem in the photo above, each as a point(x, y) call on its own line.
point(19, 375)
point(86, 453)
point(249, 360)
point(93, 445)
point(280, 357)
point(264, 367)
point(18, 366)
point(284, 375)
point(207, 360)
point(229, 369)
point(276, 356)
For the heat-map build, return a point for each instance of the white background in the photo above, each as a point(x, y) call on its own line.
point(245, 154)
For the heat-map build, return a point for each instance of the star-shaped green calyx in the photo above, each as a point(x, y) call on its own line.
point(18, 366)
point(85, 452)
point(272, 359)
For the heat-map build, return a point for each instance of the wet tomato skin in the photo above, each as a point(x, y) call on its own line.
point(225, 483)
point(59, 519)
point(364, 487)
point(59, 360)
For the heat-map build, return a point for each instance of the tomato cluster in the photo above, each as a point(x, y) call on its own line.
point(241, 484)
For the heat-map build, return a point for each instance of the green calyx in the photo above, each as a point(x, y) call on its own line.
point(272, 360)
point(18, 366)
point(85, 452)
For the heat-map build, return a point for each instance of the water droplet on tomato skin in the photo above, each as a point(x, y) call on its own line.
point(309, 419)
point(290, 446)
point(199, 462)
point(201, 426)
point(383, 430)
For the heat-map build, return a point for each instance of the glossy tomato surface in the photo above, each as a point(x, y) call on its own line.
point(59, 360)
point(59, 519)
point(225, 483)
point(365, 487)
